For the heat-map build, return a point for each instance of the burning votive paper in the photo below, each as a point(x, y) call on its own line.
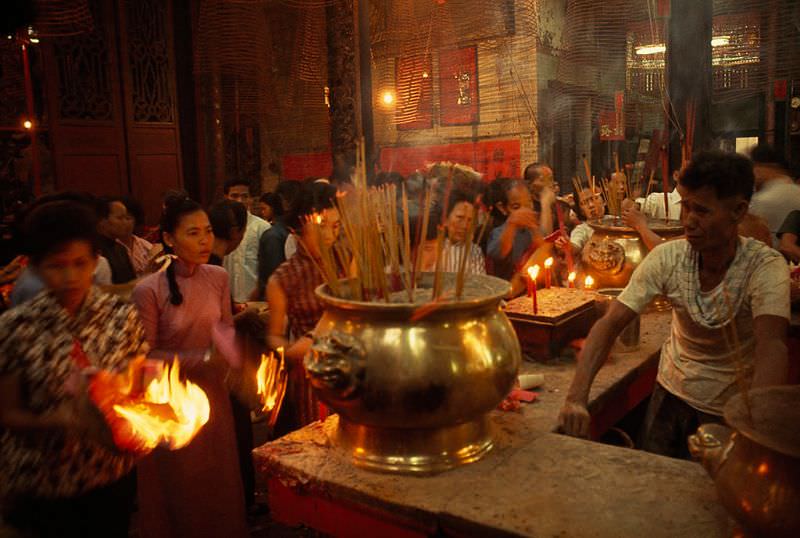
point(169, 412)
point(271, 380)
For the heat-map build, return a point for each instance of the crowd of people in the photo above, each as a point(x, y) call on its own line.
point(91, 274)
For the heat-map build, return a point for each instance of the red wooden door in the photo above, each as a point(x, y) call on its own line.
point(113, 104)
point(148, 76)
point(86, 110)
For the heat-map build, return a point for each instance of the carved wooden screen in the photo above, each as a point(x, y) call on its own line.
point(148, 62)
point(86, 107)
point(113, 103)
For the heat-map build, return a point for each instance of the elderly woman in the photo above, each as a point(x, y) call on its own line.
point(58, 478)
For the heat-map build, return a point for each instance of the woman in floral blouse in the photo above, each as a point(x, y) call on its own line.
point(56, 476)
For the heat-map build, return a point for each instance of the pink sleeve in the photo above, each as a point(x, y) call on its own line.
point(227, 308)
point(144, 297)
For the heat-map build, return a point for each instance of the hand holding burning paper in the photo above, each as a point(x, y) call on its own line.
point(168, 412)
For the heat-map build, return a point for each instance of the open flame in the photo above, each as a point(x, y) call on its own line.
point(548, 263)
point(168, 413)
point(571, 277)
point(533, 272)
point(588, 282)
point(271, 380)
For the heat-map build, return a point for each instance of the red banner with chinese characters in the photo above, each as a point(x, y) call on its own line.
point(302, 165)
point(492, 158)
point(458, 83)
point(612, 123)
point(414, 83)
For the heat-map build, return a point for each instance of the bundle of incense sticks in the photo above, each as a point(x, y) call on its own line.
point(379, 248)
point(687, 144)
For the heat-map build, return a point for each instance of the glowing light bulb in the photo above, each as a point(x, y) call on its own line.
point(387, 98)
point(28, 124)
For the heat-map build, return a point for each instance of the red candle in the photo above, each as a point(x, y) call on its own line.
point(533, 272)
point(548, 272)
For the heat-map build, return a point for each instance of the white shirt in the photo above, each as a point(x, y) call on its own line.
point(776, 199)
point(653, 205)
point(699, 365)
point(242, 263)
point(290, 246)
point(580, 235)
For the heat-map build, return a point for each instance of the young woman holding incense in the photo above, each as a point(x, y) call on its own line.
point(58, 478)
point(197, 490)
point(294, 308)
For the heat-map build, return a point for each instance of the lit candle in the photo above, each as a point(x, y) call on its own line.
point(533, 272)
point(571, 280)
point(588, 282)
point(548, 272)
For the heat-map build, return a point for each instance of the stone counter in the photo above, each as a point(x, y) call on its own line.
point(533, 483)
point(543, 484)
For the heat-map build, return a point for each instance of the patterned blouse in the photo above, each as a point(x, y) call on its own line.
point(36, 341)
point(299, 276)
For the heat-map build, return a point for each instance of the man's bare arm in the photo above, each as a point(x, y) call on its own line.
point(772, 356)
point(574, 417)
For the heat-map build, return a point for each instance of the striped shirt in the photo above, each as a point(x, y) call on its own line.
point(452, 253)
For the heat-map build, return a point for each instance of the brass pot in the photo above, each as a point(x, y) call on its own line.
point(755, 462)
point(413, 393)
point(615, 250)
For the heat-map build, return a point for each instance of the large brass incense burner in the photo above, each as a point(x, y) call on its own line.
point(615, 250)
point(755, 462)
point(413, 383)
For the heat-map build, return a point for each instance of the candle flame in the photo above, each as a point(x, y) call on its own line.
point(271, 381)
point(533, 272)
point(588, 282)
point(171, 412)
point(318, 218)
point(548, 262)
point(571, 276)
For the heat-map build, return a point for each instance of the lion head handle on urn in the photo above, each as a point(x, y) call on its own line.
point(337, 363)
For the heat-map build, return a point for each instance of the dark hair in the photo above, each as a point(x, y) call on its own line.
point(274, 201)
point(134, 208)
point(313, 198)
point(49, 226)
point(176, 206)
point(289, 192)
point(766, 154)
point(235, 182)
point(729, 174)
point(458, 196)
point(535, 170)
point(104, 206)
point(226, 215)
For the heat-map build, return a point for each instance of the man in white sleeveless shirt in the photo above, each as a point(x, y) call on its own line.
point(730, 311)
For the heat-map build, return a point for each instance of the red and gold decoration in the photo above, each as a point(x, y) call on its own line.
point(458, 83)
